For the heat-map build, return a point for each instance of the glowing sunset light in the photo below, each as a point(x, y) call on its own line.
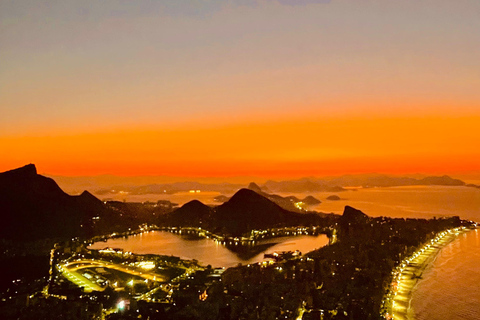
point(263, 88)
point(428, 144)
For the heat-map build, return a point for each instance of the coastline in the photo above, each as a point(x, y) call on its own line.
point(406, 276)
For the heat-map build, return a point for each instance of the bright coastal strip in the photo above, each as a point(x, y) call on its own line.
point(406, 275)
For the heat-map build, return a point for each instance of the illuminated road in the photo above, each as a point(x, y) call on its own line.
point(79, 280)
point(411, 269)
point(301, 311)
point(167, 288)
point(70, 271)
point(118, 267)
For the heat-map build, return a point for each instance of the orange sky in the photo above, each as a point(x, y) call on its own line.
point(283, 148)
point(266, 88)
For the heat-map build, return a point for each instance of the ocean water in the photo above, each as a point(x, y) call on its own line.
point(411, 202)
point(450, 286)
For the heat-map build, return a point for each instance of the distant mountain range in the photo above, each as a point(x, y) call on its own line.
point(364, 181)
point(170, 188)
point(290, 203)
point(379, 180)
point(304, 185)
point(36, 213)
point(34, 207)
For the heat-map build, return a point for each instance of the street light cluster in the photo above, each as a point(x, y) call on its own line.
point(391, 304)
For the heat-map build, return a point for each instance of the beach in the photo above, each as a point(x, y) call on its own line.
point(410, 270)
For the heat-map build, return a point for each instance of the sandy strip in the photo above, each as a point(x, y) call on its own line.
point(407, 274)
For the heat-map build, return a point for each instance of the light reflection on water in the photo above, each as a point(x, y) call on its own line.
point(450, 288)
point(206, 251)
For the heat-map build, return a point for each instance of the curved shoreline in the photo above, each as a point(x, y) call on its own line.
point(427, 265)
point(406, 275)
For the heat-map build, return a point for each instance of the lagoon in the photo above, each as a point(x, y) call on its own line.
point(206, 251)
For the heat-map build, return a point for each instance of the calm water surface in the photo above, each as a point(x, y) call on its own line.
point(411, 202)
point(414, 201)
point(206, 251)
point(450, 288)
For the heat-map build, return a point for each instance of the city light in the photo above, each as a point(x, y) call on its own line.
point(121, 305)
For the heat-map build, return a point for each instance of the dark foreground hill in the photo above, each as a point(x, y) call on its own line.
point(245, 211)
point(191, 214)
point(34, 207)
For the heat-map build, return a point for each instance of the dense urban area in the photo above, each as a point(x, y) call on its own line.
point(355, 276)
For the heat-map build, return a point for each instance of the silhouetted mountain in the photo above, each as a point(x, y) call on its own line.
point(245, 211)
point(221, 198)
point(352, 220)
point(171, 188)
point(333, 197)
point(28, 170)
point(311, 201)
point(302, 186)
point(250, 205)
point(441, 181)
point(287, 203)
point(87, 196)
point(248, 210)
point(253, 186)
point(370, 180)
point(34, 207)
point(26, 180)
point(89, 202)
point(351, 214)
point(191, 214)
point(289, 198)
point(378, 180)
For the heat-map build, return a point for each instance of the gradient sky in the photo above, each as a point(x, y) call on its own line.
point(240, 87)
